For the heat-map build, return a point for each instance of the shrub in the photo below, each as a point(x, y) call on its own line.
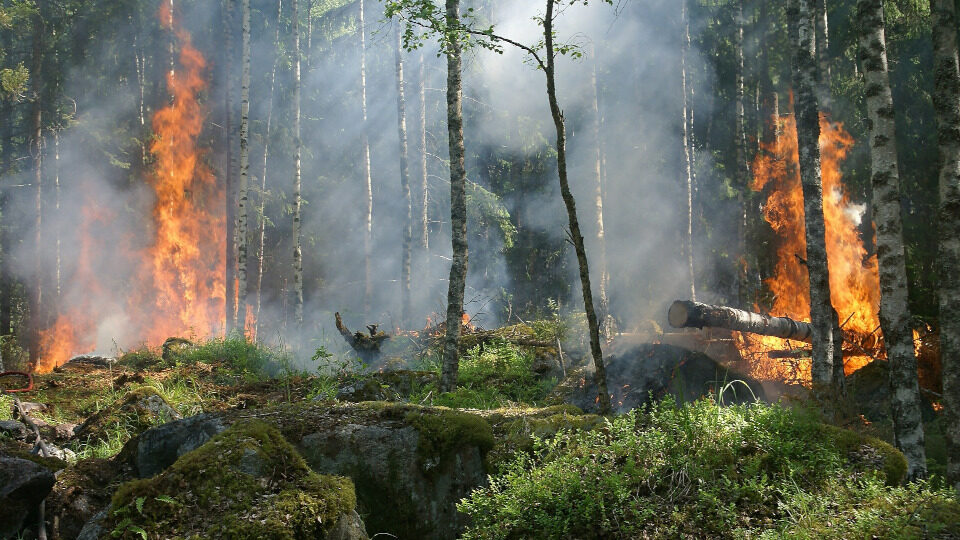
point(697, 470)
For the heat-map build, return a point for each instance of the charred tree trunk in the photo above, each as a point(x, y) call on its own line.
point(367, 180)
point(946, 99)
point(263, 178)
point(687, 151)
point(571, 206)
point(231, 233)
point(885, 180)
point(407, 228)
point(808, 134)
point(297, 202)
point(242, 241)
point(458, 205)
point(688, 314)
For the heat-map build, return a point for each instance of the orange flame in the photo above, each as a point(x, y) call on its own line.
point(854, 279)
point(179, 289)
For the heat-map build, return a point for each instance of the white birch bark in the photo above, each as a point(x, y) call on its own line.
point(242, 210)
point(946, 100)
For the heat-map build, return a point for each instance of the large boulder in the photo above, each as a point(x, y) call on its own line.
point(23, 485)
point(246, 482)
point(410, 464)
point(651, 371)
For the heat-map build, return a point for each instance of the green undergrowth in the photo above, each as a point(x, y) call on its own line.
point(234, 353)
point(704, 471)
point(247, 482)
point(496, 374)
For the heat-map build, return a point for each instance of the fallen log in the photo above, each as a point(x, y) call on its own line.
point(687, 314)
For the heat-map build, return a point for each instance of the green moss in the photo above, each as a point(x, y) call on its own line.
point(17, 449)
point(444, 431)
point(866, 452)
point(247, 482)
point(129, 416)
point(141, 358)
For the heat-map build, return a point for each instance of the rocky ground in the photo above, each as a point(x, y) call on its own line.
point(215, 441)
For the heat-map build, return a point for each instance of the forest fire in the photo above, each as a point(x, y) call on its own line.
point(178, 288)
point(854, 279)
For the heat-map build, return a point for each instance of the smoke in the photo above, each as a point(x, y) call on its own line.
point(105, 219)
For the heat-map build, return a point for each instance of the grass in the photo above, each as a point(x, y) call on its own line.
point(495, 375)
point(704, 471)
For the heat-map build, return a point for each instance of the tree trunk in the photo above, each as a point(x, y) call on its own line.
point(407, 228)
point(885, 180)
point(570, 203)
point(36, 136)
point(424, 220)
point(946, 99)
point(742, 167)
point(56, 209)
point(598, 200)
point(458, 205)
point(242, 210)
point(687, 151)
point(823, 52)
point(263, 177)
point(687, 314)
point(367, 180)
point(808, 134)
point(297, 202)
point(231, 233)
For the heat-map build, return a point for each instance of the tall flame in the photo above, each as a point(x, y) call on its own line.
point(179, 288)
point(854, 279)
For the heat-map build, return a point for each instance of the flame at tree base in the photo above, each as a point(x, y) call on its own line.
point(177, 287)
point(854, 278)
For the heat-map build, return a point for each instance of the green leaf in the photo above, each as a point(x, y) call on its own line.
point(139, 503)
point(138, 530)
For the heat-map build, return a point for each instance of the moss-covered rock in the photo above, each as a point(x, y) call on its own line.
point(868, 453)
point(393, 385)
point(135, 412)
point(247, 482)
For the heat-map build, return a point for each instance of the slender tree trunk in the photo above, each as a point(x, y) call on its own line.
point(407, 228)
point(742, 168)
point(885, 180)
point(367, 179)
point(56, 206)
point(687, 151)
point(458, 205)
point(571, 206)
point(423, 206)
point(309, 53)
point(297, 202)
point(808, 134)
point(263, 177)
point(36, 118)
point(823, 52)
point(946, 100)
point(243, 242)
point(231, 233)
point(607, 326)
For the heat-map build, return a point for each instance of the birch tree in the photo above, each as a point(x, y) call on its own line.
point(244, 168)
point(885, 180)
point(263, 177)
point(808, 135)
point(36, 149)
point(687, 151)
point(946, 100)
point(607, 319)
point(423, 205)
point(298, 146)
point(230, 255)
point(365, 164)
point(407, 227)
